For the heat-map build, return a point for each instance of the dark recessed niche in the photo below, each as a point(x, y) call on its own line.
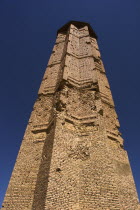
point(58, 170)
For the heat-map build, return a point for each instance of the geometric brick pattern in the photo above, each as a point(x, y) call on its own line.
point(72, 155)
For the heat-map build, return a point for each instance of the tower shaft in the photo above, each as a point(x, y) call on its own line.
point(72, 154)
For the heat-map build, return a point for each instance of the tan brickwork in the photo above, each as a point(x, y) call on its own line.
point(72, 155)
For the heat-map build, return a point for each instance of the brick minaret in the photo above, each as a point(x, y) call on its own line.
point(72, 155)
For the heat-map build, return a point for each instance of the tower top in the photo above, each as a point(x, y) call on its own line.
point(78, 24)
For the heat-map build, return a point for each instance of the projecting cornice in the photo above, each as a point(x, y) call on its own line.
point(78, 24)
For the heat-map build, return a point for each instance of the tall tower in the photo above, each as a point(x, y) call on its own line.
point(72, 155)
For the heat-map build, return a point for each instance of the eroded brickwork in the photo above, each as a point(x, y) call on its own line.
point(72, 154)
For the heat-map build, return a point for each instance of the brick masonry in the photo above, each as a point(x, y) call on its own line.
point(72, 155)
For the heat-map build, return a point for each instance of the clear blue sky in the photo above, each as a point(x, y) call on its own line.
point(27, 34)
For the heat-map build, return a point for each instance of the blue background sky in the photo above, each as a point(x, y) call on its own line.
point(27, 35)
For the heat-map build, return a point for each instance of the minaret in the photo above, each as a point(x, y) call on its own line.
point(72, 155)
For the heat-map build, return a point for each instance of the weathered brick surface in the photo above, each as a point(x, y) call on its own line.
point(72, 155)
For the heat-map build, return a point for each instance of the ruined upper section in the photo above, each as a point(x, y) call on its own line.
point(79, 25)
